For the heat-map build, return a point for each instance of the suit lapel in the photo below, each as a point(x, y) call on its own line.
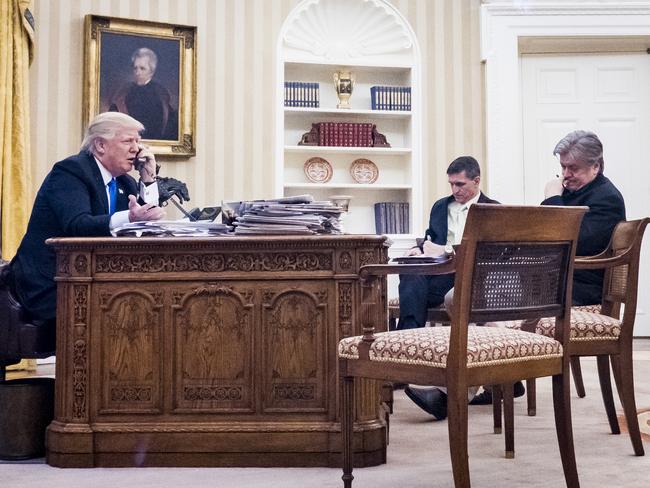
point(95, 176)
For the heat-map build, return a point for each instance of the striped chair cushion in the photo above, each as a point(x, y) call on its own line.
point(429, 346)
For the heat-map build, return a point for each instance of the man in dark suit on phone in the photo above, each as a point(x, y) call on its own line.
point(85, 195)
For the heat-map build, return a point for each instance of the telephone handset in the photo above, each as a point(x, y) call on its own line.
point(138, 161)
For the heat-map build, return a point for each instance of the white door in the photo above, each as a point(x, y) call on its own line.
point(609, 95)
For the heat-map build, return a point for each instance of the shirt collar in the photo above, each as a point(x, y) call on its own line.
point(106, 176)
point(460, 206)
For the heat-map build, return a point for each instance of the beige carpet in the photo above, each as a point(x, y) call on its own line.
point(418, 454)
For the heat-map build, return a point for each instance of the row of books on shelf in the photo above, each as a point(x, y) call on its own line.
point(355, 134)
point(392, 218)
point(382, 97)
point(390, 97)
point(301, 94)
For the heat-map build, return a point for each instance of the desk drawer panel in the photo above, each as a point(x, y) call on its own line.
point(295, 319)
point(213, 348)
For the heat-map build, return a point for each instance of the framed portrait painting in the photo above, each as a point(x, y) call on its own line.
point(147, 70)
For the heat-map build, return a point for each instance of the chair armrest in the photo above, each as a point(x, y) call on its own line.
point(600, 255)
point(601, 263)
point(371, 271)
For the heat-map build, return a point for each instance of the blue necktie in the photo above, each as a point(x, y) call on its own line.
point(112, 196)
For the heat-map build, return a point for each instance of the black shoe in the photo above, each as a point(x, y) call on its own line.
point(519, 389)
point(485, 397)
point(432, 401)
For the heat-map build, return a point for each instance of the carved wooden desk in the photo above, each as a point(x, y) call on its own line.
point(208, 351)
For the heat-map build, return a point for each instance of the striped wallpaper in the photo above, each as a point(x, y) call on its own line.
point(236, 44)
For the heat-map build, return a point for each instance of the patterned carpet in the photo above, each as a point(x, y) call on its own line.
point(644, 424)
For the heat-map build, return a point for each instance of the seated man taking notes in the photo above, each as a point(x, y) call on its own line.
point(84, 195)
point(446, 225)
point(419, 292)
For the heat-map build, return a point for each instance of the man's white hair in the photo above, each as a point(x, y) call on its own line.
point(148, 54)
point(106, 125)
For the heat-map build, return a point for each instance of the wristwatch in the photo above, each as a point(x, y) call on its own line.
point(449, 250)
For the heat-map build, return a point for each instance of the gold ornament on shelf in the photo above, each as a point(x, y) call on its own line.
point(343, 83)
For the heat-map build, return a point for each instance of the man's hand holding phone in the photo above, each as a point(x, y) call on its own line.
point(145, 163)
point(148, 211)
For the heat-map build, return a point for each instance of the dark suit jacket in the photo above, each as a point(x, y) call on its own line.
point(438, 219)
point(606, 209)
point(71, 202)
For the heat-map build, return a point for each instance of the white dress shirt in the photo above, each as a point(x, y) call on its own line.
point(456, 218)
point(148, 194)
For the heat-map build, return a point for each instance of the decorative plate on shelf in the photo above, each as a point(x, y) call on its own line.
point(364, 171)
point(318, 170)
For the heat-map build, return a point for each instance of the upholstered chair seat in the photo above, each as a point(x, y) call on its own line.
point(585, 326)
point(429, 346)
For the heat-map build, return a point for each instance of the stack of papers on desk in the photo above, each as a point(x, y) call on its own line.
point(291, 216)
point(171, 228)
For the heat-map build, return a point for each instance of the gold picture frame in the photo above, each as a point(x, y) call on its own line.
point(117, 52)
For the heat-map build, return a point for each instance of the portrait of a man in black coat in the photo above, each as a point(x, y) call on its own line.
point(139, 76)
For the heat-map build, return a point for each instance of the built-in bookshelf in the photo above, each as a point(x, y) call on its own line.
point(385, 54)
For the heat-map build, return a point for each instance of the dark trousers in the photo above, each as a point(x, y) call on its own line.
point(587, 289)
point(417, 293)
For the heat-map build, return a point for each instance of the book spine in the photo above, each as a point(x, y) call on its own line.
point(407, 218)
point(380, 218)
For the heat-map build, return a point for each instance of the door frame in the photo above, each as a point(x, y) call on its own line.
point(507, 30)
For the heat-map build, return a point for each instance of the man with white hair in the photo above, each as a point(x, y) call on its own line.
point(84, 195)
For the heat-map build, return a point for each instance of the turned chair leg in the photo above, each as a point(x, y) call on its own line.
point(347, 420)
point(531, 397)
point(606, 391)
point(624, 374)
point(564, 429)
point(509, 418)
point(576, 369)
point(496, 408)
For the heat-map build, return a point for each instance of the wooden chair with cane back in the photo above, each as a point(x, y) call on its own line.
point(505, 268)
point(602, 332)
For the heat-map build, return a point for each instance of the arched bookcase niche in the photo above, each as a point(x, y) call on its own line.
point(373, 41)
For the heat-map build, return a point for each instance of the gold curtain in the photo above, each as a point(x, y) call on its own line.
point(16, 52)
